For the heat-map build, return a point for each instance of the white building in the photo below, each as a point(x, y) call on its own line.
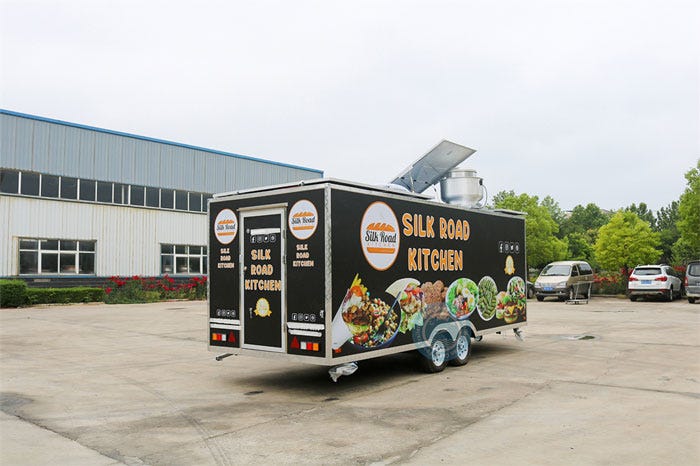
point(81, 204)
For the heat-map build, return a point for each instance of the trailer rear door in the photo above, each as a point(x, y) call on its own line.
point(262, 279)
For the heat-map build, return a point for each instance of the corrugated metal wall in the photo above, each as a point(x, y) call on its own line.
point(61, 149)
point(127, 239)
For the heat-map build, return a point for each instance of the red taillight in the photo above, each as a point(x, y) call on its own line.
point(662, 278)
point(633, 279)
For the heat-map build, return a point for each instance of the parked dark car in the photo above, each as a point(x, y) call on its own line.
point(692, 281)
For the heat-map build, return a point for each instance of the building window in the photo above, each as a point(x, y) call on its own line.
point(183, 259)
point(69, 188)
point(29, 184)
point(104, 192)
point(49, 186)
point(120, 193)
point(56, 256)
point(166, 198)
point(196, 202)
point(87, 190)
point(181, 200)
point(9, 181)
point(136, 195)
point(152, 197)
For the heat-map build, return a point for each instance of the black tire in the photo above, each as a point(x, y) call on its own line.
point(462, 349)
point(540, 298)
point(691, 300)
point(633, 298)
point(435, 359)
point(530, 293)
point(669, 298)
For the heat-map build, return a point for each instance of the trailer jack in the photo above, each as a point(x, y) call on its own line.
point(518, 334)
point(348, 368)
point(221, 357)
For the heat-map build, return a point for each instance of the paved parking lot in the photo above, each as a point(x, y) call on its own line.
point(610, 382)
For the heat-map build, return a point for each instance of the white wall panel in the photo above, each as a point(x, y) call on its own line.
point(128, 239)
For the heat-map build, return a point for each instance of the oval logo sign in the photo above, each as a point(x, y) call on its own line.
point(303, 219)
point(379, 235)
point(225, 226)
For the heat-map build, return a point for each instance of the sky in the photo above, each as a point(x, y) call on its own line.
point(581, 100)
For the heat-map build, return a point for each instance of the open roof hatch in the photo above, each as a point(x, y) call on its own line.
point(433, 166)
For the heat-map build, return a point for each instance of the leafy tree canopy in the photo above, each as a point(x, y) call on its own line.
point(643, 213)
point(625, 242)
point(542, 244)
point(583, 219)
point(666, 219)
point(688, 245)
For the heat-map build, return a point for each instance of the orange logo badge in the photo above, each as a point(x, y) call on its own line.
point(379, 236)
point(226, 226)
point(303, 219)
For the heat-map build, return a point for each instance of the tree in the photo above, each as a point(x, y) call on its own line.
point(580, 247)
point(625, 242)
point(581, 230)
point(542, 244)
point(583, 219)
point(554, 210)
point(666, 220)
point(688, 245)
point(643, 213)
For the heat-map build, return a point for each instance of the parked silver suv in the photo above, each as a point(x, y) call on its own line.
point(564, 279)
point(692, 281)
point(654, 280)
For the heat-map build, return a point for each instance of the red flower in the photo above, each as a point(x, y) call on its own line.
point(108, 290)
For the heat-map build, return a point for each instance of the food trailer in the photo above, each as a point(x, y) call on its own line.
point(331, 272)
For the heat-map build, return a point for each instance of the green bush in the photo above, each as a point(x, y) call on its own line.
point(13, 293)
point(137, 289)
point(80, 294)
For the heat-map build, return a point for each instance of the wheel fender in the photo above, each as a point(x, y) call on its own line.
point(452, 329)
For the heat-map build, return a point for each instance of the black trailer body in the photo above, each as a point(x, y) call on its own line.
point(328, 272)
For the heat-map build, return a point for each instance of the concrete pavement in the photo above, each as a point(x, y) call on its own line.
point(610, 382)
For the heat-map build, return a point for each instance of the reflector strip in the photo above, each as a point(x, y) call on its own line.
point(305, 333)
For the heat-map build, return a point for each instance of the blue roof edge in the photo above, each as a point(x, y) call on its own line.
point(160, 141)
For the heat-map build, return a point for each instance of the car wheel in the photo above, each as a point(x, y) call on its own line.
point(530, 293)
point(540, 298)
point(633, 298)
point(670, 294)
point(462, 349)
point(691, 300)
point(436, 359)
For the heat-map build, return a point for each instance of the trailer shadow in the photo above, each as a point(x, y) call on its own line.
point(371, 375)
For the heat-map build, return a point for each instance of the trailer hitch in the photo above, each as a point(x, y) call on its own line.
point(221, 357)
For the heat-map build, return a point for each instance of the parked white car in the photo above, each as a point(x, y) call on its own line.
point(654, 280)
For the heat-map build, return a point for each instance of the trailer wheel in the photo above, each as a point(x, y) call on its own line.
point(462, 349)
point(436, 359)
